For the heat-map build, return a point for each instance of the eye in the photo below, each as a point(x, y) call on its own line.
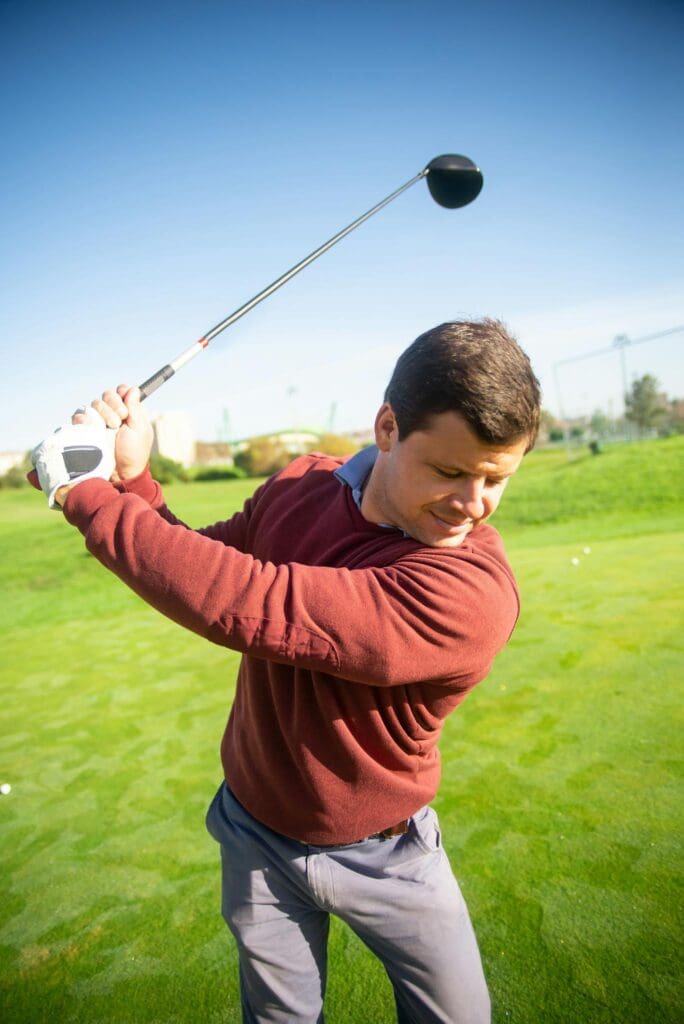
point(447, 474)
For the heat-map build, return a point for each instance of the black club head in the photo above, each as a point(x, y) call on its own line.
point(453, 180)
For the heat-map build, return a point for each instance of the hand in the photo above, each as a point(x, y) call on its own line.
point(75, 452)
point(122, 410)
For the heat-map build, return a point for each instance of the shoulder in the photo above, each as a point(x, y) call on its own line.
point(309, 471)
point(481, 555)
point(307, 478)
point(312, 462)
point(478, 571)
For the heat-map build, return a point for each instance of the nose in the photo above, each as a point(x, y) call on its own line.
point(468, 497)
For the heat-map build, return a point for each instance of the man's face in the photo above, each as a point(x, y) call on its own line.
point(437, 484)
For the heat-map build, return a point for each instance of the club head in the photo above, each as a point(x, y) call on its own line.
point(453, 180)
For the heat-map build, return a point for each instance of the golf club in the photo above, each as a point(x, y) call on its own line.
point(453, 181)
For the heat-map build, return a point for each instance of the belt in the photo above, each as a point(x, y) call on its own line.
point(400, 829)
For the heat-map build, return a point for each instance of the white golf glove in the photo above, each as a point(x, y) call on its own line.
point(76, 451)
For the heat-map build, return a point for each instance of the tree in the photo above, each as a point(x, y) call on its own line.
point(645, 405)
point(549, 427)
point(263, 456)
point(16, 475)
point(676, 415)
point(335, 444)
point(600, 423)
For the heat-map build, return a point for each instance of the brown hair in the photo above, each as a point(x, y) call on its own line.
point(472, 367)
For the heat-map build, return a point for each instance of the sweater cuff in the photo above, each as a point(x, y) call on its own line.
point(86, 499)
point(144, 486)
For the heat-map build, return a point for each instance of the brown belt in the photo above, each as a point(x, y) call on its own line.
point(400, 829)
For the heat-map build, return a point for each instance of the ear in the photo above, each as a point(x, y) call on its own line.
point(386, 429)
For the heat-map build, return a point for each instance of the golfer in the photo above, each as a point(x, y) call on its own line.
point(368, 596)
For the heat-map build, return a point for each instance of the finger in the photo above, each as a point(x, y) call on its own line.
point(80, 415)
point(111, 418)
point(129, 395)
point(133, 402)
point(115, 402)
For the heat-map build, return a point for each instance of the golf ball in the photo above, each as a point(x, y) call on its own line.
point(575, 561)
point(5, 788)
point(587, 551)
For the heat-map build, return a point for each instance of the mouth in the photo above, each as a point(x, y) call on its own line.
point(451, 528)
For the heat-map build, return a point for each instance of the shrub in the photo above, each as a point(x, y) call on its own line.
point(16, 475)
point(263, 456)
point(219, 473)
point(335, 444)
point(166, 470)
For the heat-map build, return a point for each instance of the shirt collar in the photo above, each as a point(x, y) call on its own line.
point(355, 471)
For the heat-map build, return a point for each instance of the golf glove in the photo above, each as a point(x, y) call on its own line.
point(76, 451)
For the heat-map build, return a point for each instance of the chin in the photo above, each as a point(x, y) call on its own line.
point(438, 540)
point(438, 537)
point(449, 542)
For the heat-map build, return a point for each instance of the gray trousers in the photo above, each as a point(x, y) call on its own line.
point(399, 895)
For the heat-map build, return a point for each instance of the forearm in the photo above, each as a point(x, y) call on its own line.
point(211, 588)
point(231, 531)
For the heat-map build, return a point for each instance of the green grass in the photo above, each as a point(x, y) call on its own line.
point(624, 481)
point(561, 779)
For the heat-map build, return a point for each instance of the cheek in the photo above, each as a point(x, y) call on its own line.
point(492, 501)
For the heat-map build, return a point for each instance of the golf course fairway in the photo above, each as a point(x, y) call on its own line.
point(559, 795)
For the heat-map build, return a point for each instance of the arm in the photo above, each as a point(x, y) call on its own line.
point(123, 412)
point(429, 616)
point(231, 531)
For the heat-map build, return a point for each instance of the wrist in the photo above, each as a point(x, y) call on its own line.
point(130, 474)
point(61, 494)
point(144, 486)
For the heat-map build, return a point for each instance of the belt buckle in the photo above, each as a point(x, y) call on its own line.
point(400, 829)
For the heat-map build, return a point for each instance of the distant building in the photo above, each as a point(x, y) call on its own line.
point(174, 437)
point(213, 453)
point(295, 442)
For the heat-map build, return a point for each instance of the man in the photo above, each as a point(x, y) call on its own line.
point(368, 597)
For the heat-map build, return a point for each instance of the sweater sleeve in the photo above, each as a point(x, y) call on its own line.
point(431, 615)
point(231, 531)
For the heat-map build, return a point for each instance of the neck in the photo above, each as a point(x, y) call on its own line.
point(371, 507)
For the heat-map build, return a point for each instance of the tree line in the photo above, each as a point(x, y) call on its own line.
point(647, 409)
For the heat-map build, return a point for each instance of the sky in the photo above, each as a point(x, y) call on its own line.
point(163, 163)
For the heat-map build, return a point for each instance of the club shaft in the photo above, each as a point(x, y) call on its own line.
point(162, 375)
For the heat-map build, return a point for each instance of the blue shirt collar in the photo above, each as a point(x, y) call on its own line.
point(356, 471)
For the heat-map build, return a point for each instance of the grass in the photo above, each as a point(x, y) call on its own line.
point(560, 787)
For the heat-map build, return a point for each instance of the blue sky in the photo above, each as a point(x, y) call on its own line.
point(162, 163)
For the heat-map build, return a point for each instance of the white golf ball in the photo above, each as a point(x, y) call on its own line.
point(587, 551)
point(5, 788)
point(575, 561)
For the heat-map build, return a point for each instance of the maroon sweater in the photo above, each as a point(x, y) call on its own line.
point(357, 640)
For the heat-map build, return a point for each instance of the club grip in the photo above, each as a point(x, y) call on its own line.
point(155, 381)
